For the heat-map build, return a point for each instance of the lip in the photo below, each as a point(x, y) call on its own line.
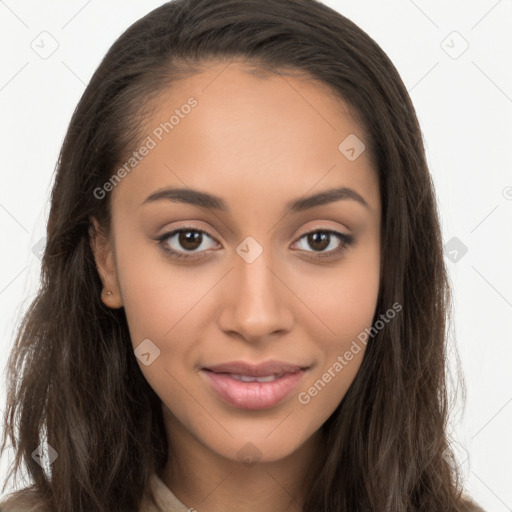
point(254, 395)
point(271, 367)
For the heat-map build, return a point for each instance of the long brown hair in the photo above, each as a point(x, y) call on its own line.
point(73, 379)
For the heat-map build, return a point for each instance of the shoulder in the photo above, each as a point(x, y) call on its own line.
point(26, 500)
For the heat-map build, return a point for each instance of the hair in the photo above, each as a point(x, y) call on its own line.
point(73, 381)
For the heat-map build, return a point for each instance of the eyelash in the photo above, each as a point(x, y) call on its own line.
point(347, 241)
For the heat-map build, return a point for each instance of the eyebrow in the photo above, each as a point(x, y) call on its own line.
point(206, 200)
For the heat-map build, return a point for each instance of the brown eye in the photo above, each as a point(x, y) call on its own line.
point(189, 243)
point(322, 239)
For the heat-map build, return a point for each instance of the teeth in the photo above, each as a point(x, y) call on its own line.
point(249, 378)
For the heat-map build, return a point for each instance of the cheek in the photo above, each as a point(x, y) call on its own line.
point(342, 300)
point(341, 307)
point(156, 294)
point(167, 305)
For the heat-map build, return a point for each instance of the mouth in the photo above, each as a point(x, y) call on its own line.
point(254, 387)
point(266, 369)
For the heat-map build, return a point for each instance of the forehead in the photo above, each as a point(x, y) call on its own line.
point(249, 131)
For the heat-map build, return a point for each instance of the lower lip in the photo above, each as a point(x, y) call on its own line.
point(253, 395)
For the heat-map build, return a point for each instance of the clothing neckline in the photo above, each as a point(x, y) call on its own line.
point(165, 498)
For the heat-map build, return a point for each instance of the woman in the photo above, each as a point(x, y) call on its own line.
point(244, 298)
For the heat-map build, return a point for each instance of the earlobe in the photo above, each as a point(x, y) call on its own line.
point(111, 300)
point(102, 249)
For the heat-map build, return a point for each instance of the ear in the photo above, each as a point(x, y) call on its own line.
point(103, 251)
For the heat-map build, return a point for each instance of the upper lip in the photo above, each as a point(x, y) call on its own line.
point(256, 370)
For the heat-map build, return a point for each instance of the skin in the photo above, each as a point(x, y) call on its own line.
point(257, 142)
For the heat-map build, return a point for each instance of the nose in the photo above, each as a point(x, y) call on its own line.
point(257, 303)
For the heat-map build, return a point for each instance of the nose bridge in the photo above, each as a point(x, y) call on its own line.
point(256, 305)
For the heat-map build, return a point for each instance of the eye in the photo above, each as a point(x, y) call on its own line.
point(187, 242)
point(321, 239)
point(191, 243)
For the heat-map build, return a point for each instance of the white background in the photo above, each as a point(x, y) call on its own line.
point(464, 105)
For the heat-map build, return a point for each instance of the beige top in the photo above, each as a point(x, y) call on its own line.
point(165, 498)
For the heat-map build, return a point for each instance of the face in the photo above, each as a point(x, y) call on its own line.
point(258, 273)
